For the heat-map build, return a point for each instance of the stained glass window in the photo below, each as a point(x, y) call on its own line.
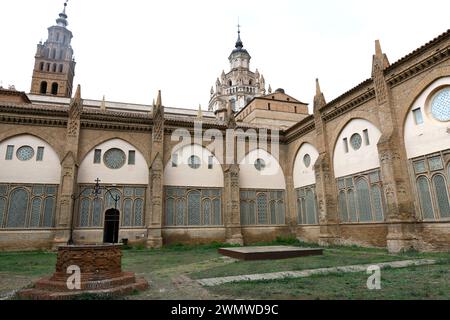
point(40, 154)
point(352, 206)
point(419, 166)
point(175, 160)
point(84, 216)
point(97, 156)
point(356, 141)
point(9, 152)
point(440, 106)
point(418, 118)
point(425, 198)
point(197, 207)
point(262, 208)
point(127, 212)
point(377, 203)
point(27, 208)
point(97, 213)
point(343, 207)
point(2, 210)
point(35, 212)
point(139, 212)
point(260, 164)
point(194, 162)
point(366, 137)
point(210, 162)
point(49, 205)
point(345, 141)
point(114, 158)
point(25, 153)
point(132, 157)
point(311, 207)
point(307, 160)
point(194, 208)
point(362, 190)
point(443, 201)
point(435, 163)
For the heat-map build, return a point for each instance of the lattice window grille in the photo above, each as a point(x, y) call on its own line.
point(307, 205)
point(432, 180)
point(262, 207)
point(26, 206)
point(131, 207)
point(186, 206)
point(361, 200)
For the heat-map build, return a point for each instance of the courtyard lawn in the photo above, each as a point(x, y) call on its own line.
point(415, 283)
point(172, 271)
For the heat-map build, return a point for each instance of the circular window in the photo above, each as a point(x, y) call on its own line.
point(440, 105)
point(260, 164)
point(25, 153)
point(307, 160)
point(114, 158)
point(194, 162)
point(356, 141)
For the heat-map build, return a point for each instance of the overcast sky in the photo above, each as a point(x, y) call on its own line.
point(127, 50)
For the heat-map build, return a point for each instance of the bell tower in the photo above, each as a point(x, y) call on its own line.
point(54, 66)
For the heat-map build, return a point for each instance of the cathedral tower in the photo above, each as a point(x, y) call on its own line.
point(54, 66)
point(240, 85)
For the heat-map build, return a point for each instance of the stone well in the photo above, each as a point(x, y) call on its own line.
point(100, 270)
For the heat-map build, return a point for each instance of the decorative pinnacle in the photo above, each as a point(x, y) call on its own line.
point(239, 43)
point(318, 91)
point(378, 51)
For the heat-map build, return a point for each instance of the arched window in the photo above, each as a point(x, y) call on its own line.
point(48, 67)
point(138, 212)
point(442, 199)
point(362, 191)
point(425, 198)
point(97, 213)
point(2, 209)
point(41, 66)
point(54, 88)
point(43, 89)
point(261, 201)
point(18, 206)
point(54, 67)
point(61, 68)
point(84, 212)
point(230, 83)
point(127, 212)
point(194, 208)
point(343, 207)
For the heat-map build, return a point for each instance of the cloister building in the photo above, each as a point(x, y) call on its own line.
point(371, 167)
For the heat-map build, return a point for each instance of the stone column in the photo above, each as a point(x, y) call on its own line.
point(232, 216)
point(65, 214)
point(154, 224)
point(392, 153)
point(325, 181)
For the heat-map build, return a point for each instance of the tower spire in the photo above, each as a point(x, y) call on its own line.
point(62, 20)
point(239, 44)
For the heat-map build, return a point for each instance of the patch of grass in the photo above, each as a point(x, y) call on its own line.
point(330, 258)
point(33, 263)
point(425, 282)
